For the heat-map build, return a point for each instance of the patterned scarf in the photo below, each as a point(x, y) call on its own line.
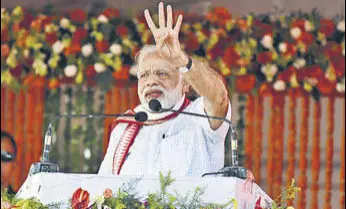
point(129, 135)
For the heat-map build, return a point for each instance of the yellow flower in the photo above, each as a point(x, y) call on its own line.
point(11, 60)
point(229, 25)
point(249, 20)
point(98, 35)
point(40, 67)
point(253, 43)
point(200, 36)
point(18, 11)
point(197, 26)
point(118, 64)
point(79, 77)
point(141, 27)
point(212, 40)
point(307, 86)
point(6, 77)
point(290, 207)
point(53, 61)
point(294, 81)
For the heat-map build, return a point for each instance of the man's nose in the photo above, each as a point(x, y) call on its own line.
point(152, 80)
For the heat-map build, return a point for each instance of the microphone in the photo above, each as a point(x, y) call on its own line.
point(234, 170)
point(45, 165)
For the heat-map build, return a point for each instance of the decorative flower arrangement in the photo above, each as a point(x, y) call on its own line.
point(127, 197)
point(274, 53)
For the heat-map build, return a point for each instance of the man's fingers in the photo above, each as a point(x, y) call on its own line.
point(149, 20)
point(178, 25)
point(161, 15)
point(169, 17)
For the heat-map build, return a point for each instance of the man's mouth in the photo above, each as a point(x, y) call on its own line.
point(153, 94)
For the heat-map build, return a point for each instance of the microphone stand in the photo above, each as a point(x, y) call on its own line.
point(230, 171)
point(45, 165)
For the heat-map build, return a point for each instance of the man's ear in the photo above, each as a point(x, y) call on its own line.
point(186, 87)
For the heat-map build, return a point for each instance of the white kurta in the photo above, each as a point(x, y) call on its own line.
point(185, 145)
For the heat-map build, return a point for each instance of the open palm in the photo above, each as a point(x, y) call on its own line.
point(166, 36)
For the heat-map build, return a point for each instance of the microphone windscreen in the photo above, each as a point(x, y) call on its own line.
point(141, 116)
point(155, 105)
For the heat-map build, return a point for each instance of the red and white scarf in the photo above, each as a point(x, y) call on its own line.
point(129, 135)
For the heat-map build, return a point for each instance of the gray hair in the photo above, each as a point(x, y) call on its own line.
point(147, 49)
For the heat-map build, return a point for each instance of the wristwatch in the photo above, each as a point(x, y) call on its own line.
point(186, 68)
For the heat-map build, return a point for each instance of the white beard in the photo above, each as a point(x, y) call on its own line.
point(168, 100)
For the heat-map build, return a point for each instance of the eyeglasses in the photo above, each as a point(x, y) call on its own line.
point(159, 74)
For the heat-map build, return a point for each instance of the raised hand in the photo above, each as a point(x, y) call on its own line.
point(166, 36)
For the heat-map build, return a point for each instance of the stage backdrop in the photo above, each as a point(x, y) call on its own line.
point(285, 74)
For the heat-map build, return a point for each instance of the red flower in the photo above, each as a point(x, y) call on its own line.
point(102, 46)
point(122, 30)
point(265, 57)
point(231, 57)
point(80, 199)
point(4, 35)
point(338, 63)
point(332, 49)
point(307, 38)
point(73, 49)
point(16, 71)
point(191, 42)
point(326, 86)
point(78, 16)
point(90, 71)
point(51, 38)
point(79, 35)
point(216, 51)
point(299, 24)
point(222, 13)
point(111, 13)
point(261, 29)
point(26, 22)
point(266, 89)
point(258, 204)
point(245, 83)
point(327, 27)
point(286, 74)
point(5, 50)
point(314, 72)
point(291, 49)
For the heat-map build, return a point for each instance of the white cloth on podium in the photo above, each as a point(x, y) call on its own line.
point(185, 145)
point(59, 187)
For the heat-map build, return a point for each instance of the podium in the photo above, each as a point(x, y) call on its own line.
point(59, 187)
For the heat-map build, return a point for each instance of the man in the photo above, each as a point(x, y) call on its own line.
point(8, 154)
point(184, 145)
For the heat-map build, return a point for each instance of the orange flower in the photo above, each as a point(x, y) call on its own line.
point(102, 46)
point(111, 13)
point(123, 73)
point(326, 86)
point(231, 57)
point(286, 74)
point(73, 49)
point(245, 83)
point(338, 63)
point(222, 13)
point(78, 16)
point(122, 30)
point(327, 27)
point(5, 50)
point(108, 193)
point(16, 27)
point(53, 83)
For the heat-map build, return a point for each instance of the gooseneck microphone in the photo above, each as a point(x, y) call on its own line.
point(234, 170)
point(45, 165)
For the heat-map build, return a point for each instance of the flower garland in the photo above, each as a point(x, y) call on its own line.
point(127, 197)
point(258, 139)
point(315, 161)
point(279, 140)
point(303, 164)
point(271, 148)
point(329, 152)
point(249, 141)
point(292, 134)
point(99, 49)
point(342, 159)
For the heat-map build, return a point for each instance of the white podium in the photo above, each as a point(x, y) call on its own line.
point(59, 187)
